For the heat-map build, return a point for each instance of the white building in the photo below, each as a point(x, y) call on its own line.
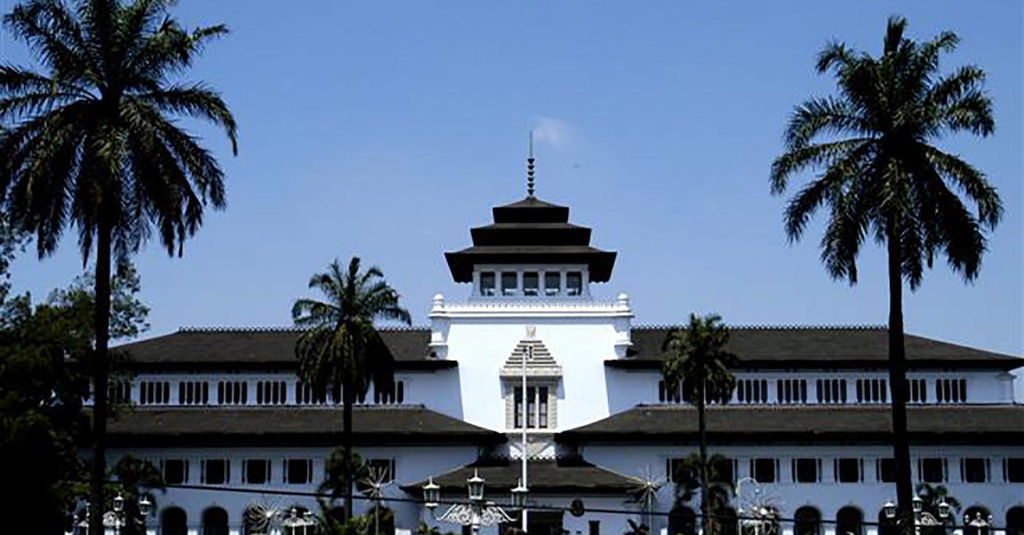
point(222, 409)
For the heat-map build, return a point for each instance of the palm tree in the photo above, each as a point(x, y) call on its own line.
point(881, 175)
point(340, 349)
point(698, 362)
point(135, 478)
point(91, 142)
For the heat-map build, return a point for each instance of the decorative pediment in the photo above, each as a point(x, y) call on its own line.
point(539, 362)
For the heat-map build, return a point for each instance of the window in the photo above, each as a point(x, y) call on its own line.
point(872, 391)
point(487, 283)
point(193, 392)
point(175, 471)
point(723, 469)
point(271, 393)
point(377, 468)
point(509, 283)
point(120, 392)
point(848, 470)
point(679, 471)
point(232, 392)
point(537, 407)
point(951, 390)
point(395, 394)
point(974, 470)
point(752, 391)
point(154, 392)
point(932, 470)
point(917, 390)
point(806, 470)
point(531, 283)
point(886, 470)
point(215, 472)
point(298, 471)
point(574, 283)
point(831, 390)
point(1013, 470)
point(595, 527)
point(791, 391)
point(255, 471)
point(552, 283)
point(763, 470)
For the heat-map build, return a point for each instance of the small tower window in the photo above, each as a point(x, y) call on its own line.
point(552, 283)
point(509, 283)
point(487, 283)
point(574, 283)
point(531, 283)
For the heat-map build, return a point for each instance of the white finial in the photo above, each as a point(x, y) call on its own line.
point(531, 332)
point(438, 303)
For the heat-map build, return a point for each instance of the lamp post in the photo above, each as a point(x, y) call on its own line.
point(298, 525)
point(921, 517)
point(981, 525)
point(115, 518)
point(477, 511)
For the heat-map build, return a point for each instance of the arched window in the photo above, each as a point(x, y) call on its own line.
point(215, 521)
point(975, 518)
point(725, 521)
point(886, 526)
point(1015, 521)
point(849, 521)
point(807, 521)
point(682, 521)
point(173, 521)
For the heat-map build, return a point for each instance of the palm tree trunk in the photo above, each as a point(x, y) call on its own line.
point(100, 370)
point(897, 382)
point(702, 438)
point(348, 397)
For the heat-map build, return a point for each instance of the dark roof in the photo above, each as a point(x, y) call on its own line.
point(262, 348)
point(310, 425)
point(817, 347)
point(544, 476)
point(767, 424)
point(531, 231)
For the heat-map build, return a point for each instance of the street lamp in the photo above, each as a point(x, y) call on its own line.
point(477, 512)
point(921, 517)
point(115, 518)
point(296, 525)
point(981, 525)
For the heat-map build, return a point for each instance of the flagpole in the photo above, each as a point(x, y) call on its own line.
point(524, 454)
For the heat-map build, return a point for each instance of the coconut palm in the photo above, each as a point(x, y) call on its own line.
point(91, 142)
point(340, 349)
point(698, 362)
point(881, 175)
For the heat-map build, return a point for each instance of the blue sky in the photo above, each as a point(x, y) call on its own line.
point(387, 129)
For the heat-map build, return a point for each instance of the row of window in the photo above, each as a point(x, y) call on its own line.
point(537, 410)
point(237, 393)
point(257, 471)
point(852, 470)
point(528, 283)
point(829, 391)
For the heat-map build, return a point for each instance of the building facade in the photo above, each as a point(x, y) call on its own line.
point(222, 413)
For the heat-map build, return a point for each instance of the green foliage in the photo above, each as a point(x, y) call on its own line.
point(11, 242)
point(697, 359)
point(721, 489)
point(425, 529)
point(340, 348)
point(127, 313)
point(135, 478)
point(878, 171)
point(338, 466)
point(931, 497)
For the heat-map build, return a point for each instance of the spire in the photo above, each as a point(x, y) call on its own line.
point(529, 168)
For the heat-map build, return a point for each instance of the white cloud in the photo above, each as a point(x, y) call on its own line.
point(552, 131)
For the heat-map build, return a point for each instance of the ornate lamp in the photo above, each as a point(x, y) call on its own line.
point(918, 505)
point(519, 496)
point(890, 510)
point(431, 494)
point(118, 504)
point(475, 485)
point(943, 509)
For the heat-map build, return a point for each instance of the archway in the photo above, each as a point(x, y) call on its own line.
point(682, 521)
point(215, 521)
point(807, 521)
point(726, 522)
point(974, 516)
point(886, 525)
point(849, 521)
point(1015, 521)
point(173, 521)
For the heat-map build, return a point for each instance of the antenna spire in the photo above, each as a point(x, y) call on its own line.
point(529, 168)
